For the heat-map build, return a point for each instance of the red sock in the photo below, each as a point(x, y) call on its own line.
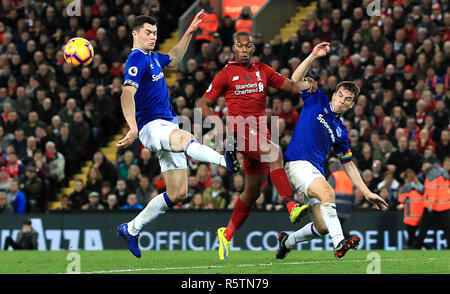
point(281, 183)
point(240, 214)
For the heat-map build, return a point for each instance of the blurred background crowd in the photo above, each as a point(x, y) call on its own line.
point(54, 117)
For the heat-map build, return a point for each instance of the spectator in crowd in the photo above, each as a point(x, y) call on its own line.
point(197, 201)
point(5, 179)
point(215, 196)
point(144, 190)
point(66, 204)
point(93, 202)
point(5, 206)
point(106, 167)
point(79, 196)
point(94, 180)
point(125, 163)
point(391, 186)
point(122, 191)
point(32, 186)
point(17, 198)
point(134, 174)
point(132, 203)
point(112, 203)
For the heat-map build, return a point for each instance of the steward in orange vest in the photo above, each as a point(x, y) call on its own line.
point(411, 195)
point(344, 191)
point(436, 200)
point(244, 22)
point(208, 26)
point(244, 25)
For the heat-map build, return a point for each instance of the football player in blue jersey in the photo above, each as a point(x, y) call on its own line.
point(148, 112)
point(319, 128)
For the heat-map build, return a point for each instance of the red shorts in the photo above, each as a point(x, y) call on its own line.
point(249, 137)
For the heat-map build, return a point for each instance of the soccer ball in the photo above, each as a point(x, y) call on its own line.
point(78, 51)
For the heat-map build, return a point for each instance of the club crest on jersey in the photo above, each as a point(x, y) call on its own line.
point(132, 71)
point(258, 76)
point(338, 132)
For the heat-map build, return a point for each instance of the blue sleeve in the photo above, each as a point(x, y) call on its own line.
point(20, 203)
point(315, 96)
point(134, 69)
point(164, 59)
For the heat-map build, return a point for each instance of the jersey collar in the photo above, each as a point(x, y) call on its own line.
point(335, 114)
point(143, 51)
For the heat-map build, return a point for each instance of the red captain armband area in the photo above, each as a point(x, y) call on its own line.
point(347, 157)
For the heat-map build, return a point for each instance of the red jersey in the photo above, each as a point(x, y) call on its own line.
point(244, 88)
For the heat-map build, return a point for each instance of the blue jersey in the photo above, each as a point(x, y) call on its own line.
point(143, 71)
point(317, 130)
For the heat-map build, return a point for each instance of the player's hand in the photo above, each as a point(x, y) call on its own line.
point(195, 22)
point(312, 84)
point(128, 139)
point(321, 49)
point(377, 201)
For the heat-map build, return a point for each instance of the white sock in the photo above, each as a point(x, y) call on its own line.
point(204, 153)
point(329, 216)
point(154, 208)
point(308, 232)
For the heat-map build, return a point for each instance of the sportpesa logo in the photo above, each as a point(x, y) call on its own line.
point(157, 77)
point(323, 121)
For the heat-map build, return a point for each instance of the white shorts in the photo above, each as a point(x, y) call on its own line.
point(155, 137)
point(301, 174)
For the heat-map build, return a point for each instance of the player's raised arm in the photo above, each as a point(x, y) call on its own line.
point(298, 81)
point(319, 50)
point(352, 171)
point(129, 112)
point(178, 51)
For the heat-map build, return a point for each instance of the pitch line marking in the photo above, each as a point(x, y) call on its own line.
point(250, 265)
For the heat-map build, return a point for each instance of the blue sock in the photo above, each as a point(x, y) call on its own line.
point(167, 199)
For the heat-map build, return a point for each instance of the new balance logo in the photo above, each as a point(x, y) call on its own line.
point(235, 78)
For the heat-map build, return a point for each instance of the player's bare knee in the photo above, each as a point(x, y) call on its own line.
point(179, 194)
point(328, 196)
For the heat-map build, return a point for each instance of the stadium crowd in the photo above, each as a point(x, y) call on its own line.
point(53, 116)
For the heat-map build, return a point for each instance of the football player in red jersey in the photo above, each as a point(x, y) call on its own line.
point(244, 82)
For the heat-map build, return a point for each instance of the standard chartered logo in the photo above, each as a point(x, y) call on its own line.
point(323, 121)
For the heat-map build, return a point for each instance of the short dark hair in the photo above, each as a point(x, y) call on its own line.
point(143, 19)
point(243, 33)
point(349, 86)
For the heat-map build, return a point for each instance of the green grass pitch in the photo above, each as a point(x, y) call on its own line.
point(240, 262)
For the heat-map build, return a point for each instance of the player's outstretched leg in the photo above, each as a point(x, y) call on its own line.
point(130, 231)
point(345, 245)
point(183, 141)
point(288, 241)
point(132, 241)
